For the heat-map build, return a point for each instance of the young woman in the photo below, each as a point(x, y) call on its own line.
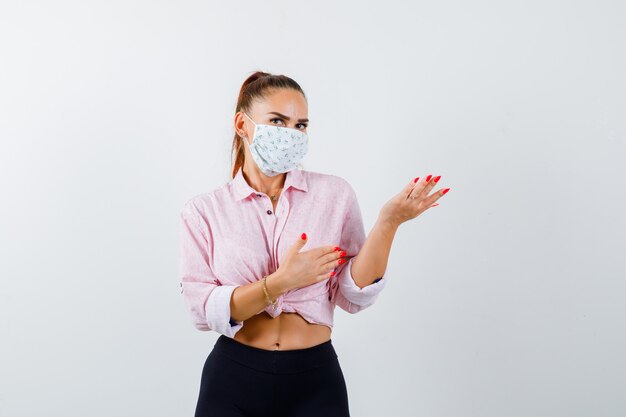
point(267, 256)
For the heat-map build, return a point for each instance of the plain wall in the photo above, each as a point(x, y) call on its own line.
point(505, 300)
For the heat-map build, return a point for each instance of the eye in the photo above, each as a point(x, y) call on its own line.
point(304, 125)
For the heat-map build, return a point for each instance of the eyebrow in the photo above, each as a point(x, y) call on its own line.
point(285, 117)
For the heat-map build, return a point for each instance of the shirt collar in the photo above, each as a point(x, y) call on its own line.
point(241, 189)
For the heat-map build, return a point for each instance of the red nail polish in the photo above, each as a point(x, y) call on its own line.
point(341, 261)
point(337, 248)
point(437, 178)
point(303, 237)
point(445, 191)
point(416, 179)
point(332, 274)
point(428, 177)
point(343, 253)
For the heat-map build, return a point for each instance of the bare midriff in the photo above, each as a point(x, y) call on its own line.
point(286, 331)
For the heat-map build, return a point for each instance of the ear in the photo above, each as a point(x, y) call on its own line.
point(240, 124)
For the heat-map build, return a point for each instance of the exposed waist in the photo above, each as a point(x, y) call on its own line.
point(287, 331)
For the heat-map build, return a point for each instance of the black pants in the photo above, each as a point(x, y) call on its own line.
point(242, 380)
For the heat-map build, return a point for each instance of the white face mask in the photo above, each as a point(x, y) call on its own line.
point(277, 149)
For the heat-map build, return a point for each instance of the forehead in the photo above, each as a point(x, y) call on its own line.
point(285, 101)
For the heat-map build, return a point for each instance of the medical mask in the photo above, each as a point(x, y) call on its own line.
point(277, 149)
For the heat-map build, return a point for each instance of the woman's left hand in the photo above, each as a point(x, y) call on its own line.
point(413, 200)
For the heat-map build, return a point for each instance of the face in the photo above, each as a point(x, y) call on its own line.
point(284, 107)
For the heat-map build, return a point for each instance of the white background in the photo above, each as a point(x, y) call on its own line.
point(508, 299)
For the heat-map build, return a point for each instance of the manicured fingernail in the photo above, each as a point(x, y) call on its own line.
point(332, 274)
point(445, 191)
point(303, 237)
point(341, 261)
point(428, 177)
point(434, 205)
point(416, 179)
point(437, 178)
point(343, 253)
point(337, 248)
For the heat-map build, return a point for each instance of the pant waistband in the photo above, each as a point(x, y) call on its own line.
point(275, 361)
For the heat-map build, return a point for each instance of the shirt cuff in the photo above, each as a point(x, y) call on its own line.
point(218, 311)
point(360, 296)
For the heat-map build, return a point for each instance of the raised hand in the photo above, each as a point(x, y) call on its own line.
point(412, 200)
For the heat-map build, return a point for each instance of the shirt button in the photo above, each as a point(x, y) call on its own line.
point(269, 212)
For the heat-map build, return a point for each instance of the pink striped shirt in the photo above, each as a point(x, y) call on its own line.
point(231, 237)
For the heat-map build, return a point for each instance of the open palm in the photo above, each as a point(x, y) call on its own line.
point(412, 200)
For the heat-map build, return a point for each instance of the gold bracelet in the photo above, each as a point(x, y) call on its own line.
point(268, 301)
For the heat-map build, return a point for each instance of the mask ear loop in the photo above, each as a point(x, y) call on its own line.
point(246, 137)
point(249, 117)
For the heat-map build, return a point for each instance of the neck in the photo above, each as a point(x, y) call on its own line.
point(261, 182)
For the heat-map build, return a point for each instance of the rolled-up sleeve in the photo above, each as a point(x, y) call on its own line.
point(344, 291)
point(206, 299)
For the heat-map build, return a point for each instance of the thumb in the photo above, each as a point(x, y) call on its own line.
point(299, 243)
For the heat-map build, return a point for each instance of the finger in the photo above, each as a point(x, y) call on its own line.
point(321, 251)
point(407, 188)
point(417, 190)
point(332, 257)
point(326, 275)
point(334, 263)
point(435, 196)
point(299, 243)
point(429, 183)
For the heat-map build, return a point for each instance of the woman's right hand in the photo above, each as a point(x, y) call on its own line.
point(300, 269)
